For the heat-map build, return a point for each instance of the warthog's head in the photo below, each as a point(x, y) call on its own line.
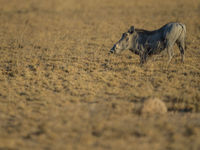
point(125, 42)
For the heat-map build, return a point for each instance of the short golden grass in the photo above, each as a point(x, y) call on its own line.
point(60, 90)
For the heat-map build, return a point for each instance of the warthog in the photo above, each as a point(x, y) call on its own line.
point(146, 43)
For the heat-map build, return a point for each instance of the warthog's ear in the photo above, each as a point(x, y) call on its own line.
point(131, 30)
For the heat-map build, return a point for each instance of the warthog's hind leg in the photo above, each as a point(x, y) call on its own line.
point(170, 54)
point(181, 46)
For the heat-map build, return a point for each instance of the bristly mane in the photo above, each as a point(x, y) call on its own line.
point(144, 31)
point(149, 32)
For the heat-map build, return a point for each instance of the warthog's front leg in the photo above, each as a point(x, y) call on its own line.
point(143, 58)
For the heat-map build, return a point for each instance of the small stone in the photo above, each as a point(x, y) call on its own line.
point(153, 106)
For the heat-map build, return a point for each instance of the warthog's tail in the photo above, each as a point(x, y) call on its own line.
point(185, 46)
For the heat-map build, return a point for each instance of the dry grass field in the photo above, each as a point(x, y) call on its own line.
point(60, 90)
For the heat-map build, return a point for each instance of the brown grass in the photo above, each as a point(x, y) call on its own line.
point(60, 90)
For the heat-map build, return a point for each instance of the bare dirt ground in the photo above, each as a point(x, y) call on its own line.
point(59, 89)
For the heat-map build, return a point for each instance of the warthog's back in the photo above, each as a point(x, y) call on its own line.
point(157, 40)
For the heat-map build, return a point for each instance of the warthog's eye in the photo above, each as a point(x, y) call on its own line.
point(124, 34)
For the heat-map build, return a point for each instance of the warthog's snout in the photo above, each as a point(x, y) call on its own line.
point(112, 50)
